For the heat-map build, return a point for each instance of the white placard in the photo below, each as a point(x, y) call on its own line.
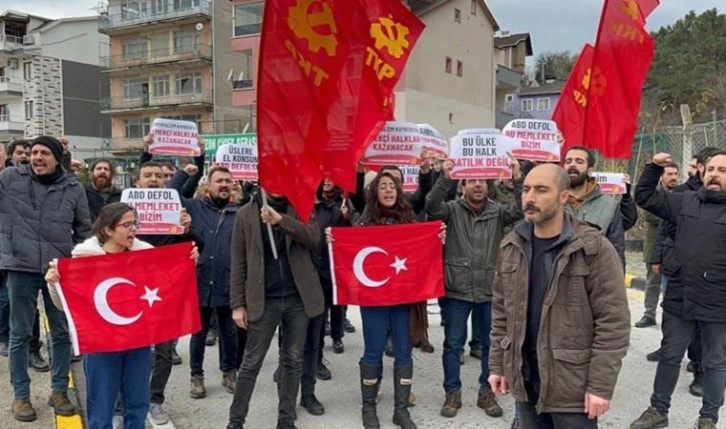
point(158, 210)
point(398, 143)
point(536, 139)
point(480, 156)
point(611, 183)
point(433, 141)
point(240, 159)
point(176, 138)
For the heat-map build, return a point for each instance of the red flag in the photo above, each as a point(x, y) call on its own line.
point(387, 265)
point(621, 60)
point(129, 300)
point(326, 77)
point(569, 114)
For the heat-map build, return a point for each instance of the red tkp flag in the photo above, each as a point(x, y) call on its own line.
point(314, 80)
point(387, 265)
point(621, 60)
point(129, 300)
point(569, 114)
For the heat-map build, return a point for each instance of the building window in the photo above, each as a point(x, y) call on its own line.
point(543, 104)
point(27, 70)
point(186, 41)
point(197, 119)
point(457, 16)
point(527, 105)
point(136, 128)
point(28, 110)
point(247, 18)
point(243, 78)
point(160, 86)
point(459, 68)
point(509, 98)
point(134, 87)
point(4, 113)
point(189, 83)
point(133, 9)
point(185, 4)
point(473, 7)
point(134, 48)
point(448, 64)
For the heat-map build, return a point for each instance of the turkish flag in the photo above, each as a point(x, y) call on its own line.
point(387, 265)
point(569, 113)
point(129, 300)
point(621, 59)
point(325, 85)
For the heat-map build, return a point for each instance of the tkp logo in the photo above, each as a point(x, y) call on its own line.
point(390, 35)
point(595, 81)
point(631, 8)
point(306, 25)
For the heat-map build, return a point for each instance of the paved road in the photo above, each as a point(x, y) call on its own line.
point(341, 395)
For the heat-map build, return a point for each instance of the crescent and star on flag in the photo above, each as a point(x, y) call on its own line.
point(398, 264)
point(100, 299)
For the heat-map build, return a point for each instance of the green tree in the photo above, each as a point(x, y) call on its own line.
point(554, 65)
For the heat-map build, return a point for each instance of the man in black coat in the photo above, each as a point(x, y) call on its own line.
point(101, 190)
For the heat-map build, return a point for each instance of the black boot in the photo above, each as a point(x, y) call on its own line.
point(369, 392)
point(696, 386)
point(402, 388)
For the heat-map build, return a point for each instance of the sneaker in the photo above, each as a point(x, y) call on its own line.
point(229, 381)
point(475, 353)
point(175, 358)
point(488, 402)
point(323, 371)
point(37, 363)
point(313, 406)
point(211, 338)
point(61, 404)
point(427, 347)
point(158, 415)
point(650, 419)
point(4, 349)
point(705, 423)
point(23, 410)
point(452, 403)
point(347, 326)
point(696, 387)
point(235, 425)
point(645, 322)
point(197, 391)
point(653, 356)
point(338, 347)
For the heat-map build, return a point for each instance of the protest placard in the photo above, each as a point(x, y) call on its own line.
point(398, 143)
point(611, 183)
point(173, 137)
point(212, 142)
point(410, 177)
point(476, 131)
point(480, 156)
point(157, 210)
point(239, 159)
point(433, 141)
point(536, 140)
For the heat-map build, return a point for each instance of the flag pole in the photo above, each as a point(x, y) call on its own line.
point(269, 227)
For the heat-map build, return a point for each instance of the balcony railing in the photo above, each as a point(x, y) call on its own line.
point(13, 40)
point(157, 56)
point(508, 78)
point(11, 124)
point(147, 14)
point(144, 102)
point(9, 85)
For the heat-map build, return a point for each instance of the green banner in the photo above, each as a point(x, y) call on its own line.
point(213, 141)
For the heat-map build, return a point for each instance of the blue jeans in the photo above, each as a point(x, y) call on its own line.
point(376, 323)
point(663, 284)
point(23, 292)
point(457, 316)
point(107, 375)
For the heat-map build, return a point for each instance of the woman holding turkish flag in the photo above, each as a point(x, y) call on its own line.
point(126, 371)
point(387, 205)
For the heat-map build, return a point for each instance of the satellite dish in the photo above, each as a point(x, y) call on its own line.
point(199, 26)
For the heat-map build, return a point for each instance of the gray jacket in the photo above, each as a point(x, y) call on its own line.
point(39, 222)
point(472, 241)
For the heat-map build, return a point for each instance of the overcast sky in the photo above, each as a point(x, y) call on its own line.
point(555, 25)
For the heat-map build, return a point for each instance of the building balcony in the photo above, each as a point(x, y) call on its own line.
point(120, 20)
point(156, 57)
point(10, 89)
point(120, 104)
point(11, 125)
point(503, 118)
point(508, 78)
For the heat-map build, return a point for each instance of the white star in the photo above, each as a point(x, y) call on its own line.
point(399, 265)
point(151, 295)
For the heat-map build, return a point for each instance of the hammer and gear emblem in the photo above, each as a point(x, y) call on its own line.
point(390, 35)
point(595, 81)
point(304, 23)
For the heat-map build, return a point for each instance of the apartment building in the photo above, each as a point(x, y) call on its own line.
point(168, 59)
point(50, 81)
point(512, 51)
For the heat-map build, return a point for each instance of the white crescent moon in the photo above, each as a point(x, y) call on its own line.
point(100, 298)
point(358, 267)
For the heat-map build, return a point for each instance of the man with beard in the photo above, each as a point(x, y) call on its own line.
point(652, 252)
point(43, 214)
point(474, 229)
point(151, 176)
point(588, 203)
point(213, 216)
point(560, 365)
point(696, 286)
point(101, 190)
point(19, 151)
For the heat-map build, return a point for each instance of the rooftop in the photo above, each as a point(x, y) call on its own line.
point(548, 88)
